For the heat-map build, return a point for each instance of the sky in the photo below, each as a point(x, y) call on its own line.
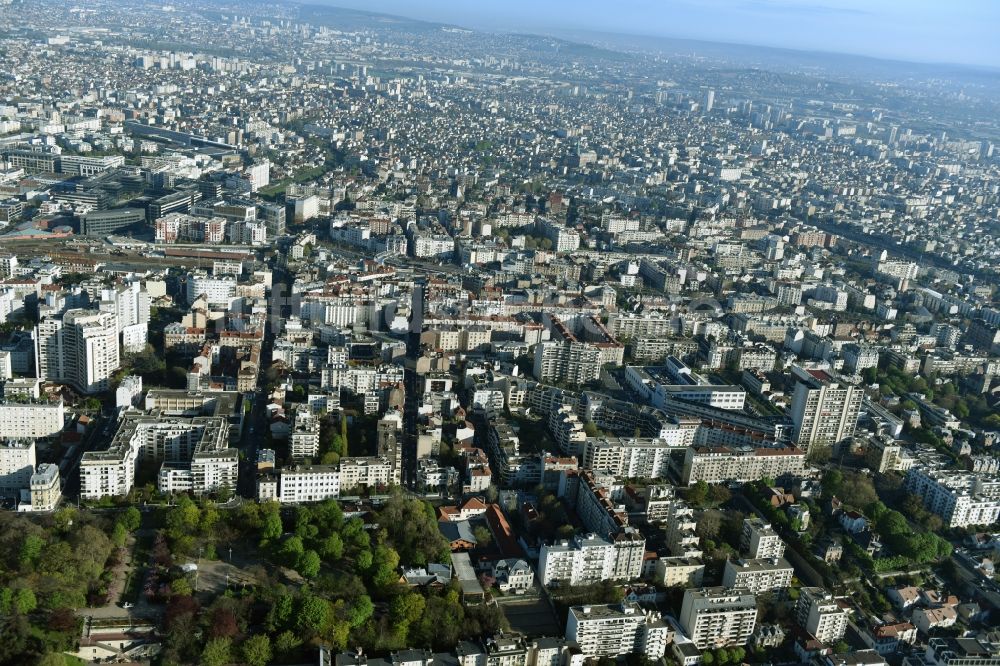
point(945, 31)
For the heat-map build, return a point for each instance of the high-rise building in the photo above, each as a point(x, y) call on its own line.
point(715, 617)
point(824, 411)
point(590, 559)
point(759, 575)
point(818, 613)
point(709, 100)
point(80, 348)
point(617, 629)
point(304, 437)
point(759, 540)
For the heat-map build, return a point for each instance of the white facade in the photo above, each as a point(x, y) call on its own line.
point(824, 412)
point(17, 464)
point(45, 488)
point(31, 420)
point(218, 290)
point(308, 484)
point(758, 575)
point(588, 559)
point(714, 617)
point(620, 629)
point(80, 348)
point(818, 613)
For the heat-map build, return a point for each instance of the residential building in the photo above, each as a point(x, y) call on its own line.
point(308, 483)
point(17, 465)
point(818, 613)
point(759, 540)
point(824, 412)
point(714, 617)
point(44, 488)
point(30, 418)
point(742, 464)
point(79, 348)
point(617, 629)
point(759, 575)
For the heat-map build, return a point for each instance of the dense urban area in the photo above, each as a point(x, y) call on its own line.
point(339, 338)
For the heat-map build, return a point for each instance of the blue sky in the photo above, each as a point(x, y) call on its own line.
point(957, 31)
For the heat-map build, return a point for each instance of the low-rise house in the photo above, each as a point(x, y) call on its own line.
point(925, 619)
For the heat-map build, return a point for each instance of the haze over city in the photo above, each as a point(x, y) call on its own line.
point(920, 31)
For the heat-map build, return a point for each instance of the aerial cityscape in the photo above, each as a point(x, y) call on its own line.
point(341, 337)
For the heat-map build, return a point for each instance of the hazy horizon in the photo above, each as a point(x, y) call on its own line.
point(960, 32)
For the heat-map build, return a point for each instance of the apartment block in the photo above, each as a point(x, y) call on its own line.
point(616, 630)
point(714, 617)
point(818, 613)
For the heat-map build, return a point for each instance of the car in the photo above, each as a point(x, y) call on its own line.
point(128, 604)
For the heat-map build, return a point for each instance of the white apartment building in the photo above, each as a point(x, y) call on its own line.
point(680, 571)
point(823, 412)
point(590, 559)
point(566, 362)
point(80, 348)
point(433, 246)
point(34, 419)
point(759, 540)
point(17, 465)
point(218, 290)
point(760, 576)
point(959, 498)
point(858, 358)
point(714, 617)
point(194, 452)
point(819, 614)
point(743, 464)
point(308, 483)
point(617, 629)
point(633, 457)
point(370, 472)
point(303, 440)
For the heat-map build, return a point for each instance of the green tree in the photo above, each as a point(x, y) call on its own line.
point(291, 551)
point(363, 560)
point(707, 658)
point(309, 564)
point(281, 611)
point(24, 601)
point(384, 565)
point(286, 642)
point(257, 650)
point(271, 527)
point(360, 611)
point(183, 518)
point(131, 518)
point(314, 614)
point(483, 535)
point(181, 587)
point(217, 652)
point(31, 548)
point(406, 608)
point(119, 534)
point(698, 493)
point(332, 547)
